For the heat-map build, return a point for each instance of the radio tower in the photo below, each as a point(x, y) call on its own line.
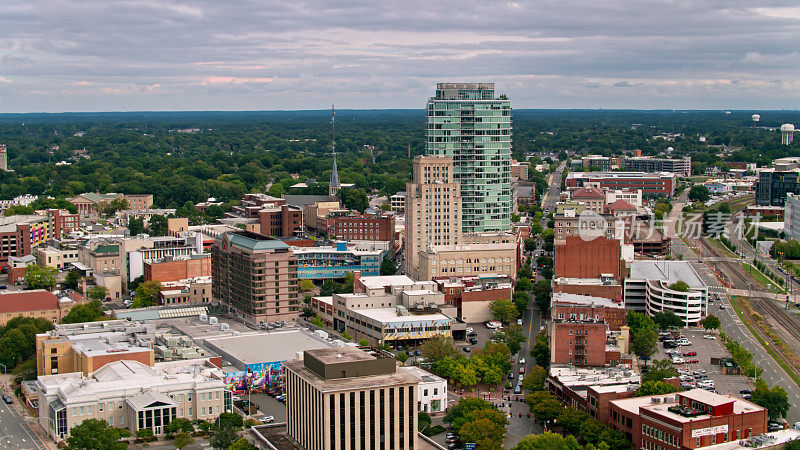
point(334, 185)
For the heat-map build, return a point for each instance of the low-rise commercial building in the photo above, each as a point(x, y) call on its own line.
point(468, 259)
point(589, 388)
point(364, 228)
point(351, 398)
point(431, 391)
point(189, 291)
point(679, 166)
point(58, 258)
point(583, 307)
point(170, 268)
point(686, 420)
point(473, 295)
point(595, 258)
point(133, 395)
point(38, 304)
point(604, 286)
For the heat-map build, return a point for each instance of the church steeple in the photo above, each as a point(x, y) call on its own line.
point(334, 185)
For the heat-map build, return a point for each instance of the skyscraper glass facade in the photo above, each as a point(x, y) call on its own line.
point(467, 123)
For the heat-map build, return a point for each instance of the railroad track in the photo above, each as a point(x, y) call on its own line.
point(784, 319)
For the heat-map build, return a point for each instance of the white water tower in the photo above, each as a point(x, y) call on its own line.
point(787, 133)
point(756, 118)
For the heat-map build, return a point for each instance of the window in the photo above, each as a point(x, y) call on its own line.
point(203, 397)
point(190, 412)
point(82, 410)
point(189, 397)
point(180, 397)
point(100, 407)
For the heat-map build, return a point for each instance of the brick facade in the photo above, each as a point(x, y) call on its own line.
point(177, 269)
point(364, 228)
point(581, 343)
point(613, 291)
point(578, 258)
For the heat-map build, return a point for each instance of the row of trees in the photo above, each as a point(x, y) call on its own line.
point(487, 365)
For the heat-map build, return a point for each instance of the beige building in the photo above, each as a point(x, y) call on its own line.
point(190, 291)
point(132, 395)
point(91, 203)
point(433, 209)
point(58, 258)
point(468, 260)
point(520, 169)
point(351, 398)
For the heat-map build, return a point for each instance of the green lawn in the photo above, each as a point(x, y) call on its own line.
point(717, 243)
point(762, 279)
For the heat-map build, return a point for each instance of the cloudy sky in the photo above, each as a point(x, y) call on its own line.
point(62, 55)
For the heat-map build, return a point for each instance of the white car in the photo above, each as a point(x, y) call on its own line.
point(469, 330)
point(708, 336)
point(684, 343)
point(678, 360)
point(522, 360)
point(267, 419)
point(521, 377)
point(519, 321)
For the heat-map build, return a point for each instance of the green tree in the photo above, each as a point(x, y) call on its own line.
point(636, 320)
point(548, 441)
point(306, 285)
point(710, 322)
point(485, 433)
point(775, 400)
point(355, 199)
point(438, 348)
point(423, 420)
point(512, 335)
point(571, 420)
point(503, 310)
point(86, 312)
point(157, 226)
point(14, 210)
point(541, 350)
point(523, 284)
point(388, 267)
point(95, 434)
point(655, 388)
point(643, 343)
point(318, 322)
point(679, 286)
point(222, 438)
point(699, 193)
point(544, 406)
point(460, 413)
point(41, 277)
point(183, 439)
point(179, 425)
point(667, 320)
point(72, 279)
point(147, 294)
point(97, 292)
point(242, 444)
point(118, 204)
point(232, 420)
point(534, 379)
point(135, 226)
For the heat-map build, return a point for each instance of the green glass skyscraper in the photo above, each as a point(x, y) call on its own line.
point(467, 123)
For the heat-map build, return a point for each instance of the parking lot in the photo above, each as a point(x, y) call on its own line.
point(268, 406)
point(706, 349)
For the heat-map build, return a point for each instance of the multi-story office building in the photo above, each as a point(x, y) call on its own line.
point(275, 216)
point(578, 258)
point(467, 123)
point(189, 291)
point(351, 398)
point(679, 166)
point(133, 395)
point(520, 169)
point(170, 268)
point(398, 201)
point(364, 228)
point(468, 260)
point(791, 224)
point(255, 276)
point(660, 183)
point(20, 233)
point(775, 183)
point(433, 208)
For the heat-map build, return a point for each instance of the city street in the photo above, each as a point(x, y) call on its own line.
point(15, 432)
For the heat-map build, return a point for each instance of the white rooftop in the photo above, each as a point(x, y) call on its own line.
point(667, 271)
point(386, 280)
point(585, 300)
point(389, 315)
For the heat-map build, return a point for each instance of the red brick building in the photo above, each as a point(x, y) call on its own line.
point(175, 269)
point(472, 295)
point(578, 258)
point(578, 342)
point(661, 183)
point(686, 420)
point(63, 222)
point(581, 307)
point(595, 287)
point(280, 221)
point(364, 228)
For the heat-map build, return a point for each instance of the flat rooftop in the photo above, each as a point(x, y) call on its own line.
point(560, 298)
point(273, 346)
point(389, 315)
point(634, 405)
point(587, 281)
point(668, 271)
point(386, 280)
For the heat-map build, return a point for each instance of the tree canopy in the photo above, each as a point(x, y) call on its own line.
point(96, 434)
point(41, 277)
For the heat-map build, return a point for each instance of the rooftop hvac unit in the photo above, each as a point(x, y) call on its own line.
point(203, 317)
point(212, 320)
point(655, 400)
point(224, 326)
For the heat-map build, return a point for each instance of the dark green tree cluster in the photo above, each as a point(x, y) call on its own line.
point(18, 339)
point(486, 366)
point(86, 312)
point(96, 434)
point(477, 421)
point(642, 335)
point(541, 349)
point(774, 399)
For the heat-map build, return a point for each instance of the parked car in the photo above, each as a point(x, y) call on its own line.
point(692, 353)
point(519, 321)
point(522, 360)
point(8, 399)
point(517, 389)
point(3, 286)
point(521, 370)
point(473, 340)
point(520, 377)
point(267, 419)
point(722, 306)
point(467, 349)
point(745, 391)
point(708, 336)
point(693, 361)
point(510, 375)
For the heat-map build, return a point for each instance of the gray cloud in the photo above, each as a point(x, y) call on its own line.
point(67, 55)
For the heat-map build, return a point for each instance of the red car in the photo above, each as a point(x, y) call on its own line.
point(690, 354)
point(693, 361)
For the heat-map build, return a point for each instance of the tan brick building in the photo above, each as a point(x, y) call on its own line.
point(351, 398)
point(179, 268)
point(39, 304)
point(255, 276)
